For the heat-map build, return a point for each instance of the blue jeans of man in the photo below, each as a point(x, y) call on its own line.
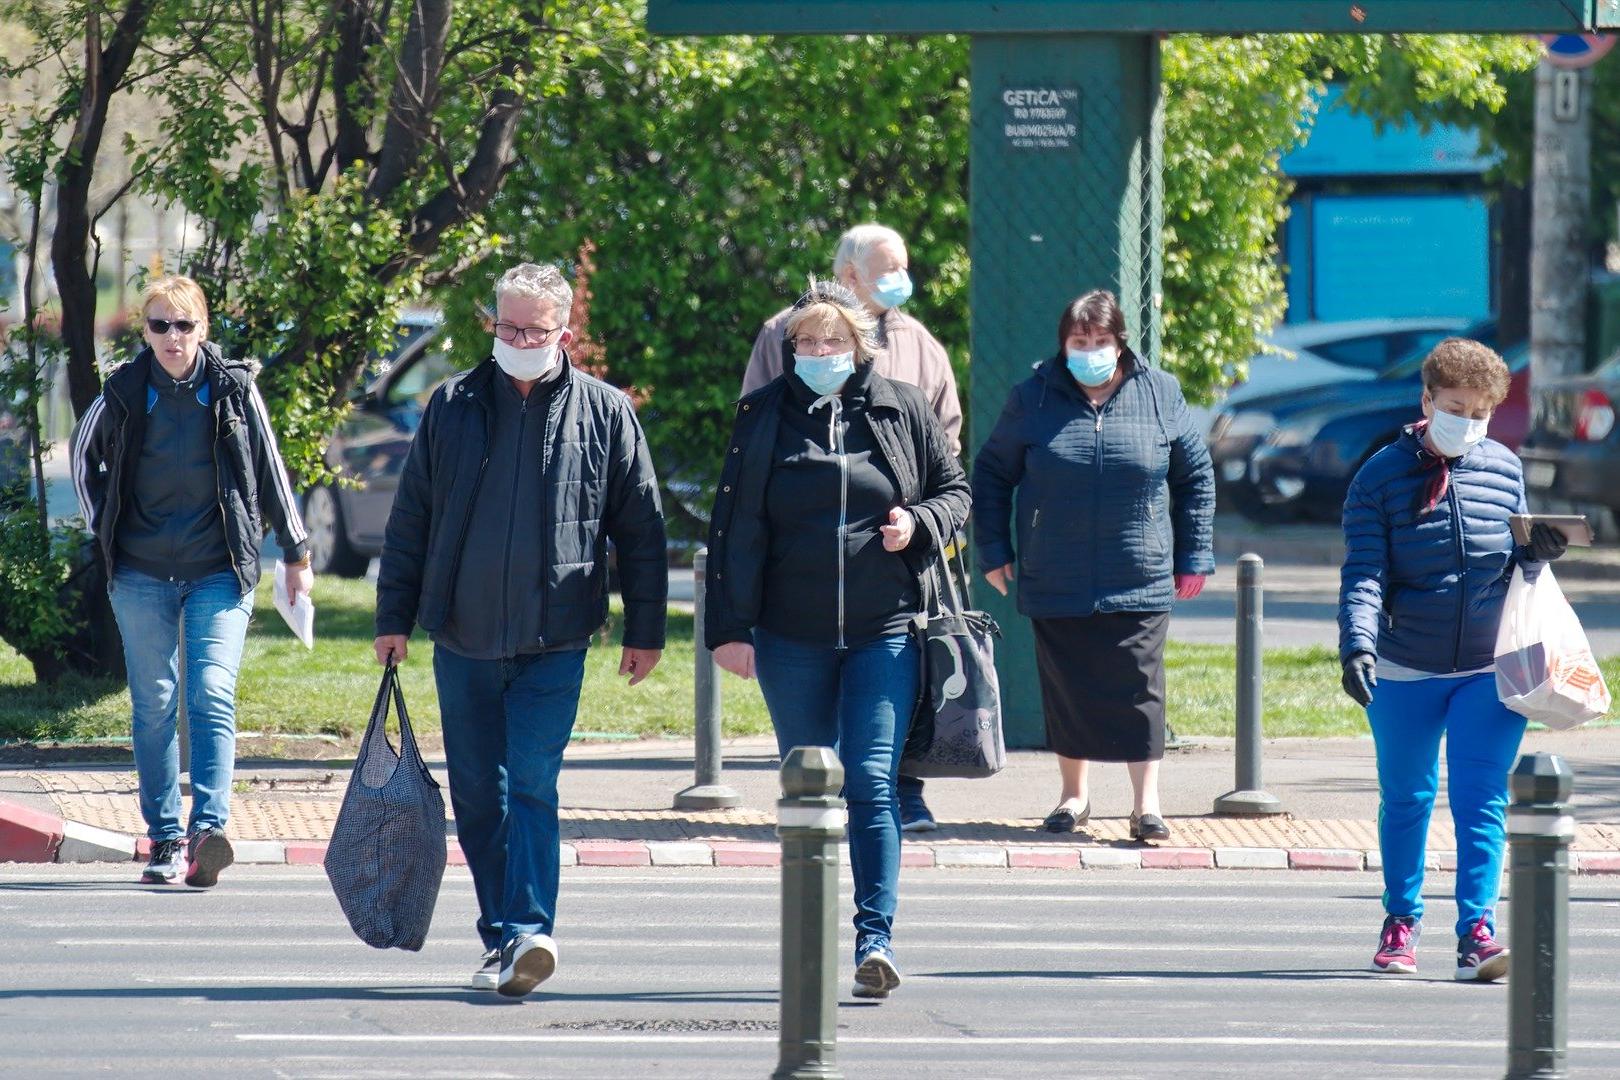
point(506, 724)
point(859, 701)
point(150, 612)
point(1482, 740)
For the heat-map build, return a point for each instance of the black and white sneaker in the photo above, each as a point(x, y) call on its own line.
point(167, 863)
point(526, 962)
point(488, 976)
point(208, 854)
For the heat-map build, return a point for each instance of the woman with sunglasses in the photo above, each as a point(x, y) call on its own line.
point(177, 473)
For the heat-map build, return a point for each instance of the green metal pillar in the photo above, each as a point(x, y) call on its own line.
point(1067, 140)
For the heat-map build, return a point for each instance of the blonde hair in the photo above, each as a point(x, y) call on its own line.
point(180, 293)
point(831, 301)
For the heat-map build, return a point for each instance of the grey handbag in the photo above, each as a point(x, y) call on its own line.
point(964, 696)
point(386, 859)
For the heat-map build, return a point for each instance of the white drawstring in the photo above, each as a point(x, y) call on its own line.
point(837, 410)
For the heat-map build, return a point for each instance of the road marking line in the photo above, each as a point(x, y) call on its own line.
point(647, 946)
point(952, 1041)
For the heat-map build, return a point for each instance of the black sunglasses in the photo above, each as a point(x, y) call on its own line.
point(162, 326)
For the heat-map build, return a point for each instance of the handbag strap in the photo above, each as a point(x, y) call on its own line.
point(942, 568)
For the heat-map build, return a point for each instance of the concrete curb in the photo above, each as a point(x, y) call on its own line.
point(28, 836)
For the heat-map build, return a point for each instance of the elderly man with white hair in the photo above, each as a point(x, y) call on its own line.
point(872, 260)
point(521, 471)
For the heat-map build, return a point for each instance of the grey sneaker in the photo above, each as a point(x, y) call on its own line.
point(875, 973)
point(526, 962)
point(167, 863)
point(208, 853)
point(488, 976)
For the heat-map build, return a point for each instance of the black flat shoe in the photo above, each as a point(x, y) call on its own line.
point(1149, 827)
point(1064, 820)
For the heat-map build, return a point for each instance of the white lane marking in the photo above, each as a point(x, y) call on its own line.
point(1111, 946)
point(951, 1041)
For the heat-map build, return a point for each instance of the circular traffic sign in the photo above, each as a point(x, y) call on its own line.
point(1577, 50)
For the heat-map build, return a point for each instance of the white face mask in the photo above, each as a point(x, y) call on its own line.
point(526, 365)
point(1455, 435)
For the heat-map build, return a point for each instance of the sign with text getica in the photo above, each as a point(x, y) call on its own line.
point(1040, 117)
point(1059, 16)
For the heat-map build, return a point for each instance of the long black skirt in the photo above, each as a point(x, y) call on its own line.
point(1102, 684)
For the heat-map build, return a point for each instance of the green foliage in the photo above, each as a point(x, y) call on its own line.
point(712, 177)
point(34, 566)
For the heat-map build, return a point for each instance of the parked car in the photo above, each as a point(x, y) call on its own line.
point(1572, 453)
point(1290, 457)
point(346, 521)
point(1330, 352)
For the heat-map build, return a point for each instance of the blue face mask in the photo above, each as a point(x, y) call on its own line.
point(892, 289)
point(1093, 367)
point(824, 374)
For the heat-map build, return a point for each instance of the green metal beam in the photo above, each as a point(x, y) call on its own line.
point(1060, 16)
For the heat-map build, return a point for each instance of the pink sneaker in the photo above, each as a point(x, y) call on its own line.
point(1397, 946)
point(1479, 957)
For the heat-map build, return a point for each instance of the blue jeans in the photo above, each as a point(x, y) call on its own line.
point(149, 611)
point(1482, 741)
point(506, 724)
point(858, 701)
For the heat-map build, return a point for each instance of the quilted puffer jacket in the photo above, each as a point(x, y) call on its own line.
point(1425, 589)
point(1112, 502)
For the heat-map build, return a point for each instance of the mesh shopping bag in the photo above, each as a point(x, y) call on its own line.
point(1544, 666)
point(387, 854)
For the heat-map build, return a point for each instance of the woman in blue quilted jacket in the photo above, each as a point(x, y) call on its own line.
point(1115, 504)
point(1428, 558)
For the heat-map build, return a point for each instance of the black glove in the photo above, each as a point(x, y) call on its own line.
point(1360, 676)
point(1546, 542)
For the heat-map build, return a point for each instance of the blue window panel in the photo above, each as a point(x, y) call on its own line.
point(1388, 256)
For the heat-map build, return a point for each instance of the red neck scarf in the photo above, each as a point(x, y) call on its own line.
point(1429, 461)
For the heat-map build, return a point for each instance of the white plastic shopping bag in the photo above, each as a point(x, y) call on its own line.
point(1544, 666)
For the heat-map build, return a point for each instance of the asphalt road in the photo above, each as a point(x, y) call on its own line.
point(674, 974)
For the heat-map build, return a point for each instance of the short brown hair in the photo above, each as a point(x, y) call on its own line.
point(1096, 310)
point(1462, 364)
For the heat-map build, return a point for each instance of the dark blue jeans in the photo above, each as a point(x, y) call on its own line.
point(858, 701)
point(506, 724)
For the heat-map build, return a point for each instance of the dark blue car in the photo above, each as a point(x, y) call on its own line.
point(1290, 456)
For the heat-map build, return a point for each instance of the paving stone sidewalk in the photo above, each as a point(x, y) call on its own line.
point(616, 799)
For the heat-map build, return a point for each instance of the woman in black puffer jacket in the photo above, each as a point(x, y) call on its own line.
point(838, 493)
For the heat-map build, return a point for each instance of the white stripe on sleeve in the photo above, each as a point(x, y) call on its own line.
point(81, 476)
point(295, 523)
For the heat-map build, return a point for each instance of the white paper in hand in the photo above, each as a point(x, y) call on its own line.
point(300, 617)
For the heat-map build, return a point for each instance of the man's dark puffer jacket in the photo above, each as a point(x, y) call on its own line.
point(599, 484)
point(1425, 590)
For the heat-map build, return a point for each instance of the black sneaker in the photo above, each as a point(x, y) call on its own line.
point(209, 853)
point(167, 862)
point(488, 976)
point(915, 816)
point(526, 962)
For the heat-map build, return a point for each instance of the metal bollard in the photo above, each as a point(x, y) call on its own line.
point(810, 821)
point(1540, 829)
point(706, 792)
point(1249, 798)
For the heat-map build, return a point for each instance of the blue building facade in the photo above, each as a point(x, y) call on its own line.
point(1388, 224)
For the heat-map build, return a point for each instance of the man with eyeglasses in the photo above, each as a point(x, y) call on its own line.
point(521, 472)
point(872, 260)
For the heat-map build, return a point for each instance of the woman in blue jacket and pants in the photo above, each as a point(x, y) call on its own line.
point(1115, 502)
point(1428, 559)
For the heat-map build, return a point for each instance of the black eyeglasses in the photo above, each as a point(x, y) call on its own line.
point(531, 335)
point(163, 326)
